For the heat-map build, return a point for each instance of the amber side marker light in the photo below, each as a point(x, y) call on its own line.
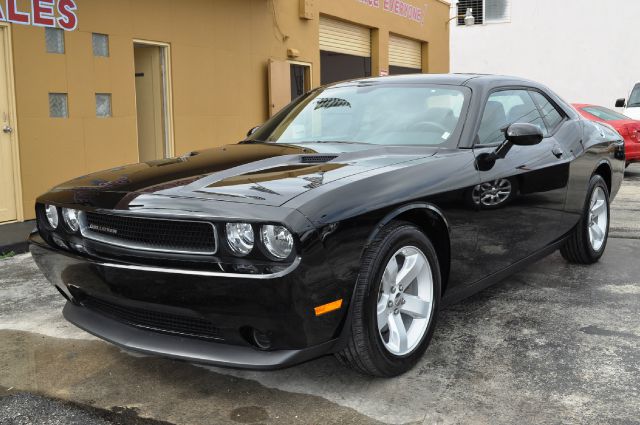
point(327, 308)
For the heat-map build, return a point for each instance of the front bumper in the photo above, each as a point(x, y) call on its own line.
point(189, 349)
point(280, 306)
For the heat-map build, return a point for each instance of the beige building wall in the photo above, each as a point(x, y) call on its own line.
point(219, 54)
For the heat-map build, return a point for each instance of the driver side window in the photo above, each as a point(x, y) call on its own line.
point(503, 109)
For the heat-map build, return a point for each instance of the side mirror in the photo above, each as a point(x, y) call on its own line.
point(253, 130)
point(517, 134)
point(621, 103)
point(524, 134)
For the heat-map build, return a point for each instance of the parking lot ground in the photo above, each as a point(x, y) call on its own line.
point(555, 343)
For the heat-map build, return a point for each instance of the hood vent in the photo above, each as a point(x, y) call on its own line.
point(317, 159)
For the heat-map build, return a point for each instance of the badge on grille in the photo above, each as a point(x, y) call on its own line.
point(103, 229)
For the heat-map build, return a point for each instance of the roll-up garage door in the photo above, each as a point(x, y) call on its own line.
point(405, 55)
point(345, 51)
point(343, 37)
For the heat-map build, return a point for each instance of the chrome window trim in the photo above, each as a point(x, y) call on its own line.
point(88, 234)
point(276, 275)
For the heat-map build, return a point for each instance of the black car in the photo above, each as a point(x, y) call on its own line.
point(342, 225)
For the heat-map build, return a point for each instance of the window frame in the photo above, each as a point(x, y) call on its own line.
point(481, 16)
point(551, 133)
point(563, 114)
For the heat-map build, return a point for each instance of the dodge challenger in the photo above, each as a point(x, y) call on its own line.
point(340, 226)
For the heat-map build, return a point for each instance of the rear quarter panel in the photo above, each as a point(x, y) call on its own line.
point(596, 149)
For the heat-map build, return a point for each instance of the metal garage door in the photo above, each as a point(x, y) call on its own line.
point(405, 53)
point(342, 37)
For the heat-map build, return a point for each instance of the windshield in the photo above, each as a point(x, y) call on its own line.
point(634, 99)
point(604, 113)
point(372, 114)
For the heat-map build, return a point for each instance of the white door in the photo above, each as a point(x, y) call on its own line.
point(7, 181)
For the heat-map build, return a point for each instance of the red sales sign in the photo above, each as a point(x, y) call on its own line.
point(43, 13)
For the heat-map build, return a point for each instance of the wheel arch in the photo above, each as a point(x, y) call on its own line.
point(603, 169)
point(432, 221)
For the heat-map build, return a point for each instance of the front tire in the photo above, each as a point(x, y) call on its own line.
point(395, 303)
point(588, 239)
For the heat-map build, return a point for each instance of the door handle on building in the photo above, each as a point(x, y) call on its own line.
point(6, 129)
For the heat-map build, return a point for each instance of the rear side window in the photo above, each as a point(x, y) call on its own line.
point(551, 115)
point(503, 109)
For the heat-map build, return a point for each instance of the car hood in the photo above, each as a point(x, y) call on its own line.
point(264, 174)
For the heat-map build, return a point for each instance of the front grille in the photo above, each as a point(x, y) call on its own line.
point(151, 234)
point(154, 320)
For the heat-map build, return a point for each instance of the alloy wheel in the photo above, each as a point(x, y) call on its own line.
point(405, 301)
point(598, 218)
point(492, 193)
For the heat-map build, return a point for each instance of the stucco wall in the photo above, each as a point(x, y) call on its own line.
point(219, 50)
point(583, 49)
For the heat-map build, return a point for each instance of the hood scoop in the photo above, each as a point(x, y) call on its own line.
point(317, 159)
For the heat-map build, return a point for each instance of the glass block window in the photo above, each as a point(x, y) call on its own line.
point(54, 39)
point(58, 105)
point(103, 105)
point(100, 45)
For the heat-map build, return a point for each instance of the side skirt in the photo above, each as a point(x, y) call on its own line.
point(474, 288)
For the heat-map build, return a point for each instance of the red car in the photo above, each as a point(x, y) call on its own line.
point(628, 128)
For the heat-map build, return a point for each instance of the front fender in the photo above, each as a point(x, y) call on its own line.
point(423, 207)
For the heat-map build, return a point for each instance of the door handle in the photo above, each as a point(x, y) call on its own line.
point(557, 152)
point(6, 129)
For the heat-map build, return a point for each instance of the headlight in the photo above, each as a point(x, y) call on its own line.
point(278, 241)
point(240, 238)
point(52, 215)
point(70, 217)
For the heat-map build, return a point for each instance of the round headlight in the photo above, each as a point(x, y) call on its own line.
point(240, 238)
point(52, 215)
point(278, 241)
point(70, 217)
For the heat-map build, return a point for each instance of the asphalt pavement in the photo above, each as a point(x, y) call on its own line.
point(556, 343)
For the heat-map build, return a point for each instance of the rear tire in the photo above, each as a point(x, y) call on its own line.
point(588, 239)
point(384, 310)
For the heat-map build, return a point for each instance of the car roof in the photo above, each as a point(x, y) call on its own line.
point(470, 80)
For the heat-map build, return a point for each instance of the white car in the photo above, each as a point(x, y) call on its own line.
point(631, 106)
